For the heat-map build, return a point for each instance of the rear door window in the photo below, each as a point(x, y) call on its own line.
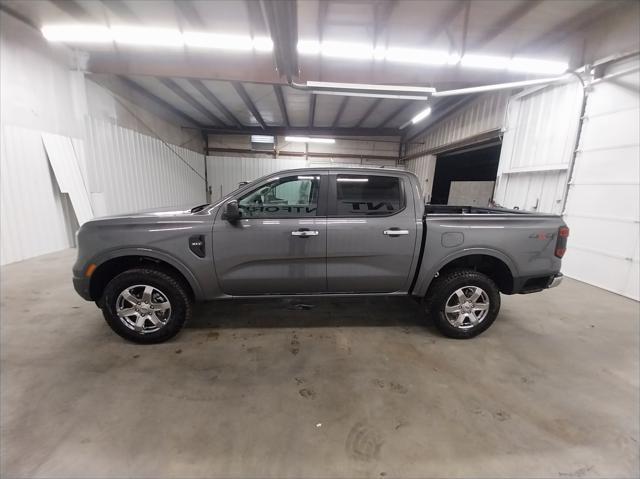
point(368, 195)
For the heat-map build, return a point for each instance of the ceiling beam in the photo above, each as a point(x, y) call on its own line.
point(557, 33)
point(121, 10)
point(445, 20)
point(215, 101)
point(281, 104)
point(313, 99)
point(441, 111)
point(343, 105)
point(178, 90)
point(366, 114)
point(304, 131)
point(382, 13)
point(150, 96)
point(190, 14)
point(75, 10)
point(282, 20)
point(505, 22)
point(239, 87)
point(257, 24)
point(394, 114)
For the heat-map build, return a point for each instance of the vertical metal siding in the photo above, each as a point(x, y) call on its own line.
point(484, 114)
point(129, 171)
point(423, 167)
point(225, 172)
point(603, 204)
point(32, 217)
point(537, 149)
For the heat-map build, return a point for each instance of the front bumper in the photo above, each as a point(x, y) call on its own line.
point(81, 285)
point(556, 280)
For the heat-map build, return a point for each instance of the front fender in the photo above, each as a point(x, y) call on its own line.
point(160, 255)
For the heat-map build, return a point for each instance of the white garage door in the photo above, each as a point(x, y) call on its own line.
point(537, 148)
point(603, 205)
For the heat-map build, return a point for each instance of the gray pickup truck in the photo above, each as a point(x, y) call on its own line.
point(316, 232)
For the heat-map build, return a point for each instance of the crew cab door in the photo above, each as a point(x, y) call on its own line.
point(278, 246)
point(371, 233)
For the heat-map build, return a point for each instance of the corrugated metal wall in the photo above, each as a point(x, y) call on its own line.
point(485, 113)
point(538, 146)
point(32, 216)
point(225, 172)
point(424, 168)
point(603, 204)
point(129, 171)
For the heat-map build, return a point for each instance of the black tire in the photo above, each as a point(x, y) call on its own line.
point(168, 285)
point(442, 290)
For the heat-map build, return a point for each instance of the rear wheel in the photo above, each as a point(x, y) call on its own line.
point(463, 303)
point(145, 305)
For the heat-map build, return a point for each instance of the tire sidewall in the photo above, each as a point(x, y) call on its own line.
point(180, 304)
point(453, 281)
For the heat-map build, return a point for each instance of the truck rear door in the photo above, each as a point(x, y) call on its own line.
point(371, 232)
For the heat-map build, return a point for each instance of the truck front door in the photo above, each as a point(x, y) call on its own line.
point(371, 233)
point(279, 244)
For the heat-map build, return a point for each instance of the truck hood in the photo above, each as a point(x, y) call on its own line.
point(164, 212)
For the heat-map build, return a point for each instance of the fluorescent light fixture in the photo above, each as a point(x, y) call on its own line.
point(147, 36)
point(485, 61)
point(77, 33)
point(354, 51)
point(218, 41)
point(261, 139)
point(306, 139)
point(421, 116)
point(533, 65)
point(421, 56)
point(353, 180)
point(262, 44)
point(308, 47)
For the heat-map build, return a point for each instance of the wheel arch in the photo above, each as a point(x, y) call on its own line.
point(499, 267)
point(117, 262)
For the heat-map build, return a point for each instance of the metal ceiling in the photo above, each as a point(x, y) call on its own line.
point(238, 92)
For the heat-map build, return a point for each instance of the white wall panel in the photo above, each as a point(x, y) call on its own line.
point(129, 171)
point(603, 203)
point(32, 217)
point(538, 147)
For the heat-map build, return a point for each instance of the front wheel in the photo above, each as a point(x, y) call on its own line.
point(145, 305)
point(463, 303)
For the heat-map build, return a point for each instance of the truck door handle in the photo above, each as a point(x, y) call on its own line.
point(304, 233)
point(395, 232)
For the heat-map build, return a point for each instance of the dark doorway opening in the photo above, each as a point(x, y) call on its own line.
point(477, 164)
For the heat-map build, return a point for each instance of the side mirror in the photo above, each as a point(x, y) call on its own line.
point(231, 212)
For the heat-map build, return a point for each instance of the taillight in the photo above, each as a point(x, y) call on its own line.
point(561, 244)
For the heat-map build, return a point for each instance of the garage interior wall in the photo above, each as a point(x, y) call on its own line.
point(41, 91)
point(480, 116)
point(226, 169)
point(603, 202)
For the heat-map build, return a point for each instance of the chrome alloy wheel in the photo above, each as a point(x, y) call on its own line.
point(467, 307)
point(143, 308)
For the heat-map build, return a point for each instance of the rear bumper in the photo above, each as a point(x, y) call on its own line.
point(556, 280)
point(535, 284)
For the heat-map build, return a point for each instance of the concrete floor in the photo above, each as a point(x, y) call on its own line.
point(345, 389)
